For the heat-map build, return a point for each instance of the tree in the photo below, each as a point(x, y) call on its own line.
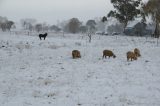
point(74, 25)
point(7, 25)
point(38, 27)
point(125, 10)
point(3, 19)
point(28, 23)
point(91, 26)
point(101, 26)
point(104, 19)
point(3, 26)
point(30, 27)
point(91, 23)
point(45, 27)
point(55, 28)
point(64, 26)
point(83, 29)
point(152, 7)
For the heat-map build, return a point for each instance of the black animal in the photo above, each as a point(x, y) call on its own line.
point(42, 36)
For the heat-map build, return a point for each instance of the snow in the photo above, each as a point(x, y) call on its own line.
point(43, 73)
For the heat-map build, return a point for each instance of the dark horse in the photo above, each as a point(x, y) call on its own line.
point(42, 36)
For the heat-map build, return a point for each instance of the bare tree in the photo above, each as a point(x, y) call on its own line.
point(28, 23)
point(91, 26)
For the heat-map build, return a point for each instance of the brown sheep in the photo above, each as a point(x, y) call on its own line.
point(108, 53)
point(131, 55)
point(137, 52)
point(76, 54)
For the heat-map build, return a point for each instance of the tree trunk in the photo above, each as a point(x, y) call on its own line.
point(124, 26)
point(90, 37)
point(156, 32)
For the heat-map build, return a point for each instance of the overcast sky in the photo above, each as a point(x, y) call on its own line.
point(53, 10)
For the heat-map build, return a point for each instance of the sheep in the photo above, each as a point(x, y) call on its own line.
point(108, 53)
point(131, 55)
point(137, 52)
point(43, 36)
point(76, 54)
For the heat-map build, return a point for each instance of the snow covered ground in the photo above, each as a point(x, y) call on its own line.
point(43, 73)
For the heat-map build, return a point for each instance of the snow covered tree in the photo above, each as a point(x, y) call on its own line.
point(28, 24)
point(91, 26)
point(125, 10)
point(91, 23)
point(152, 7)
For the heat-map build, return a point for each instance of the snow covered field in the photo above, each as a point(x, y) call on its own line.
point(43, 73)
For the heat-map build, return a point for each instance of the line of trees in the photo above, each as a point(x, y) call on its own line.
point(74, 25)
point(33, 25)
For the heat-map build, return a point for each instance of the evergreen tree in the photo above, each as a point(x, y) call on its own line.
point(125, 10)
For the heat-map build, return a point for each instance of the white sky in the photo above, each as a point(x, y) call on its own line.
point(53, 10)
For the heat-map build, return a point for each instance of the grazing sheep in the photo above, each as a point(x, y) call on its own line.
point(108, 53)
point(76, 54)
point(137, 52)
point(131, 55)
point(43, 36)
